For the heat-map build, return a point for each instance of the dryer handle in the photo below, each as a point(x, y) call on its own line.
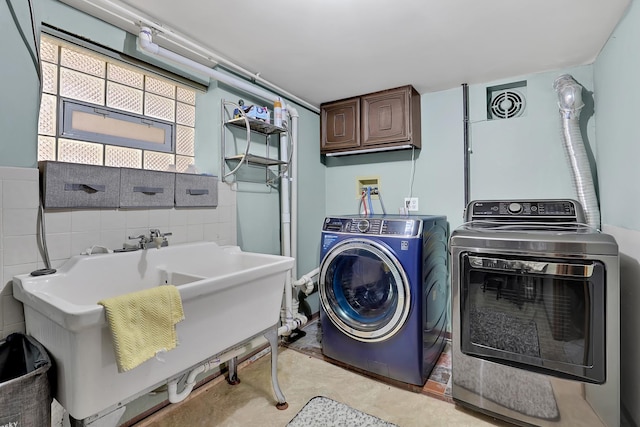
point(527, 266)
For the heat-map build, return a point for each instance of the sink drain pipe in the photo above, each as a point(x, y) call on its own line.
point(172, 385)
point(570, 103)
point(292, 319)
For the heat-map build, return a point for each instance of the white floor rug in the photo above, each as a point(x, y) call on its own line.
point(323, 412)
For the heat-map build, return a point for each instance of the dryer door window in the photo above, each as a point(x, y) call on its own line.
point(541, 314)
point(364, 290)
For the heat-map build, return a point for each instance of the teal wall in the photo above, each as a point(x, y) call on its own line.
point(19, 89)
point(617, 93)
point(311, 192)
point(524, 157)
point(616, 71)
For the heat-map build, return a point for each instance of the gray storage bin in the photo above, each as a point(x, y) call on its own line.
point(196, 190)
point(146, 189)
point(72, 185)
point(25, 387)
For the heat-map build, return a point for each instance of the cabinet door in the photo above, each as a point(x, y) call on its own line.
point(387, 117)
point(340, 125)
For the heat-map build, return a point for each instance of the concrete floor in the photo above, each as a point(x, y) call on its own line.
point(302, 377)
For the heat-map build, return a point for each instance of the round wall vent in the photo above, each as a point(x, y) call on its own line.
point(507, 104)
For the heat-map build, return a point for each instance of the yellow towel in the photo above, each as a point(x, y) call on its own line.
point(143, 323)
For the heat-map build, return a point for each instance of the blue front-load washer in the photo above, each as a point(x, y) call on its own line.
point(384, 293)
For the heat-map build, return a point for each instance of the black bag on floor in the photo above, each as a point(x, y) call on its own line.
point(25, 390)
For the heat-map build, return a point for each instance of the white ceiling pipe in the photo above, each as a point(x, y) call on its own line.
point(146, 44)
point(125, 17)
point(217, 75)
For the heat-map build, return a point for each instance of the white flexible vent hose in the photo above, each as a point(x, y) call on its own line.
point(570, 103)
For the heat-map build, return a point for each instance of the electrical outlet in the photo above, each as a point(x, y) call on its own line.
point(411, 204)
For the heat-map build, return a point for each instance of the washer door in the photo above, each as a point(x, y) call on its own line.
point(364, 290)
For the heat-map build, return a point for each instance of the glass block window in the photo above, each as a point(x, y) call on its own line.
point(124, 97)
point(118, 74)
point(186, 114)
point(46, 148)
point(48, 115)
point(159, 107)
point(81, 86)
point(98, 110)
point(161, 88)
point(183, 162)
point(186, 95)
point(184, 141)
point(84, 62)
point(79, 152)
point(49, 78)
point(49, 50)
point(158, 161)
point(87, 122)
point(123, 157)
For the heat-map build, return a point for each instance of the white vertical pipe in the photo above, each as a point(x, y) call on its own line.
point(294, 187)
point(289, 219)
point(285, 207)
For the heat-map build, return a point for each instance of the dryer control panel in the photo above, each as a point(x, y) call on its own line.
point(525, 210)
point(380, 226)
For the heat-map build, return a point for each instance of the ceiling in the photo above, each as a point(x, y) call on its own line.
point(332, 49)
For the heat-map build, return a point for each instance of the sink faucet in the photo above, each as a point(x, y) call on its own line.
point(142, 241)
point(158, 238)
point(155, 239)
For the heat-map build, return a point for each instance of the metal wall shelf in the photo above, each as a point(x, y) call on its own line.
point(254, 160)
point(236, 161)
point(256, 125)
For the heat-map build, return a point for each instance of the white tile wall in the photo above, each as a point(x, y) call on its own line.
point(20, 193)
point(70, 232)
point(58, 222)
point(19, 222)
point(18, 248)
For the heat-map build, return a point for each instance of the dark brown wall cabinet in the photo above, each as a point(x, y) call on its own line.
point(385, 120)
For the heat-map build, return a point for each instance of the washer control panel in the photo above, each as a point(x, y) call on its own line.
point(373, 226)
point(550, 210)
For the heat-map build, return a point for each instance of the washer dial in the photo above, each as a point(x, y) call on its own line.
point(363, 226)
point(515, 208)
